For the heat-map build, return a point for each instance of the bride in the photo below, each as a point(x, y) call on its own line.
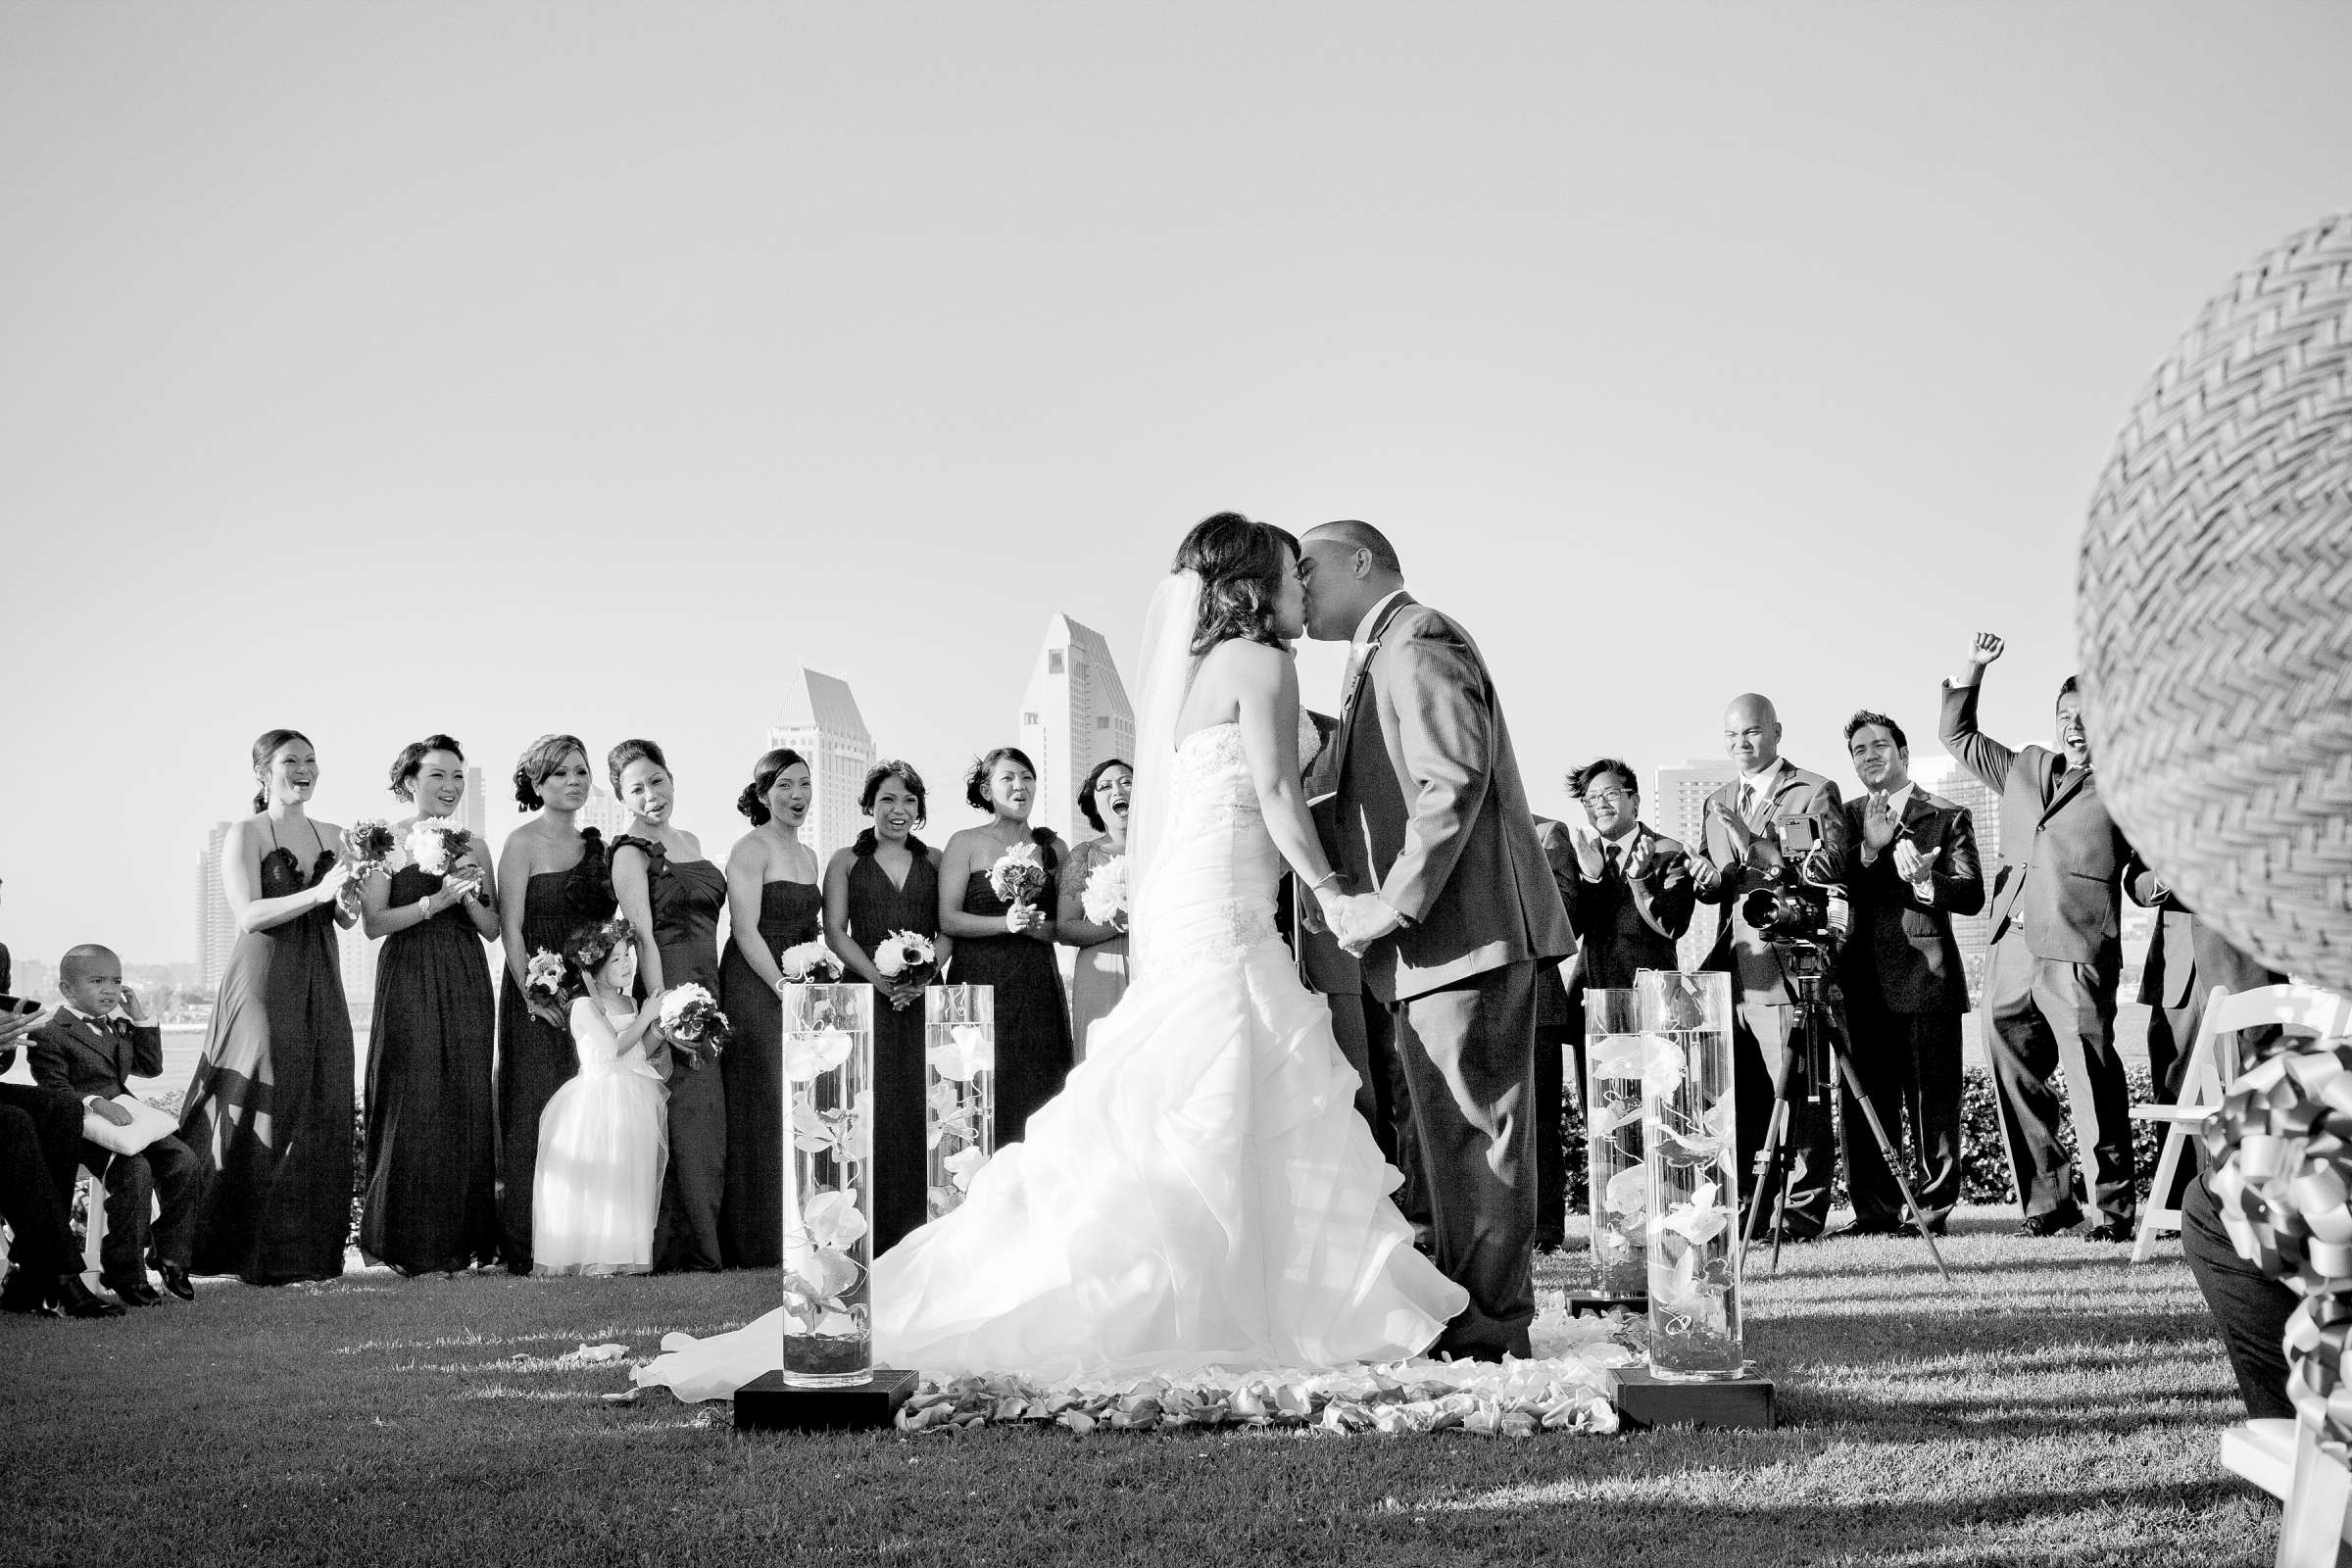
point(1203, 1193)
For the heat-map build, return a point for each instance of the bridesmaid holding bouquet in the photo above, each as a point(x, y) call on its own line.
point(565, 884)
point(995, 886)
point(671, 897)
point(1099, 977)
point(772, 904)
point(268, 1112)
point(883, 886)
point(431, 1197)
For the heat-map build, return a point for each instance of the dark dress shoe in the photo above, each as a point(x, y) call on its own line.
point(2050, 1224)
point(72, 1298)
point(2110, 1230)
point(1870, 1227)
point(23, 1294)
point(129, 1295)
point(176, 1281)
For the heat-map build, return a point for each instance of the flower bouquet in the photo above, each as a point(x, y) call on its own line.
point(905, 956)
point(1106, 893)
point(436, 844)
point(1019, 874)
point(693, 1024)
point(367, 845)
point(808, 963)
point(543, 986)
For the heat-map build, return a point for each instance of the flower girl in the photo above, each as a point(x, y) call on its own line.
point(603, 1138)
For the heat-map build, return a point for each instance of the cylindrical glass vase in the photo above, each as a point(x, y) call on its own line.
point(959, 1089)
point(828, 1188)
point(1689, 1129)
point(1617, 1179)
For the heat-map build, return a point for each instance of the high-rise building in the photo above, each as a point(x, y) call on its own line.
point(1679, 807)
point(216, 926)
point(821, 721)
point(1073, 716)
point(473, 813)
point(603, 812)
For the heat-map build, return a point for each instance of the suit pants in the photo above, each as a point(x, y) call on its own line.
point(1467, 1055)
point(1909, 1064)
point(1384, 1100)
point(36, 1189)
point(2046, 1014)
point(1558, 1048)
point(2251, 1308)
point(159, 1180)
point(1808, 1163)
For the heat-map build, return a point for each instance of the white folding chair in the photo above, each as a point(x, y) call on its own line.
point(2211, 1064)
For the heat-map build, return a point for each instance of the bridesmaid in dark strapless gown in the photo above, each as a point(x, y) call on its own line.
point(675, 899)
point(1033, 1027)
point(871, 907)
point(430, 1198)
point(771, 872)
point(268, 1112)
point(557, 880)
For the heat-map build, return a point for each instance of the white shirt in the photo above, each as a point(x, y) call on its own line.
point(1359, 645)
point(1896, 804)
point(1766, 785)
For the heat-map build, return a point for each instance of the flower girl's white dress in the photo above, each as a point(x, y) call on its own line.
point(1203, 1193)
point(603, 1141)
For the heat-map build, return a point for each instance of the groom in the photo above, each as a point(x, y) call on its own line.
point(1453, 912)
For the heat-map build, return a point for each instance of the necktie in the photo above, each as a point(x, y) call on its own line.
point(1747, 801)
point(1616, 857)
point(1356, 659)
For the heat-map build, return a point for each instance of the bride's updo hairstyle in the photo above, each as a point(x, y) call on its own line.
point(753, 801)
point(1240, 564)
point(263, 751)
point(411, 757)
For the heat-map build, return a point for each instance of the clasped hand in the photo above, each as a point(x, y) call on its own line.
point(1358, 920)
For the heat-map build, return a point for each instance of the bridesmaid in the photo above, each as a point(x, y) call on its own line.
point(268, 1111)
point(1100, 978)
point(1008, 946)
point(772, 904)
point(673, 896)
point(560, 867)
point(888, 882)
point(432, 1158)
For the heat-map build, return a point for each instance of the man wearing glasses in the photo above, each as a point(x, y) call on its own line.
point(1628, 892)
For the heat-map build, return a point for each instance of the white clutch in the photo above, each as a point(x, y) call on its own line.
point(147, 1124)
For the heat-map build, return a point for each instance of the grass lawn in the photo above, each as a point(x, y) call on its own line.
point(2053, 1406)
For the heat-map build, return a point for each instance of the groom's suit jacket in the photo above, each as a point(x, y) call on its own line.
point(1426, 809)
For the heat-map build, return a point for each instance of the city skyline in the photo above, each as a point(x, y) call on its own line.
point(821, 722)
point(1074, 715)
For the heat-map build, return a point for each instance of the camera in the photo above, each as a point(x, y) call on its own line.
point(1786, 910)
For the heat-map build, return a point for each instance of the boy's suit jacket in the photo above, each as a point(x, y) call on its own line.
point(69, 1052)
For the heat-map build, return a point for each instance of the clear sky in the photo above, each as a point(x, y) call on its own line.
point(504, 368)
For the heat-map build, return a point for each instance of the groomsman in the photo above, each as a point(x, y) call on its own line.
point(1745, 822)
point(1915, 867)
point(2057, 955)
point(1628, 894)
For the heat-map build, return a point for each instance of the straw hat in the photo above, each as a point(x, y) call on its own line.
point(2215, 612)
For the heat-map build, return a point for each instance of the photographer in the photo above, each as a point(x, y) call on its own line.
point(1916, 866)
point(1782, 828)
point(2057, 954)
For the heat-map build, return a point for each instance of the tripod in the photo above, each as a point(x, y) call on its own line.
point(1817, 1037)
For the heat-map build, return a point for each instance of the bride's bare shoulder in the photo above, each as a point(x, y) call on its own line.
point(1246, 663)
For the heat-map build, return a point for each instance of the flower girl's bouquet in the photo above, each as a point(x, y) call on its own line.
point(693, 1024)
point(1019, 874)
point(904, 955)
point(1107, 894)
point(810, 963)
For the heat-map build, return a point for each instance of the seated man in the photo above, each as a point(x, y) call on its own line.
point(88, 1052)
point(40, 1128)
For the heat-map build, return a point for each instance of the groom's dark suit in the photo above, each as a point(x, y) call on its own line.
point(1427, 811)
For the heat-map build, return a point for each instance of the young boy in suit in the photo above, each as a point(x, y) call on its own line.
point(93, 1053)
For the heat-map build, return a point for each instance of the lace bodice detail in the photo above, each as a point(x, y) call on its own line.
point(1209, 895)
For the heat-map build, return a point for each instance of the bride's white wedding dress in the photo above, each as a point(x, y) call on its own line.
point(1201, 1194)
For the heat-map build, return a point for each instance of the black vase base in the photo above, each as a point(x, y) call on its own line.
point(1600, 1304)
point(767, 1404)
point(1646, 1399)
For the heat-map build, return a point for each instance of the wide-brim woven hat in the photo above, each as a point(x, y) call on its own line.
point(2215, 612)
